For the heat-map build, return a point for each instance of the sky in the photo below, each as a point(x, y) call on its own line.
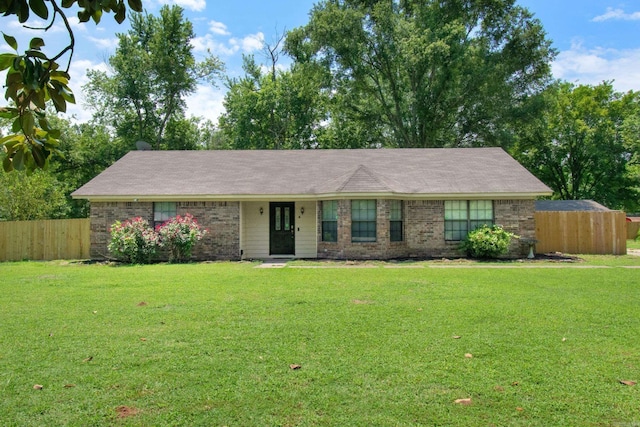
point(595, 40)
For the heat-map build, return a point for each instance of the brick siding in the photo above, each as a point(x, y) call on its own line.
point(221, 219)
point(423, 229)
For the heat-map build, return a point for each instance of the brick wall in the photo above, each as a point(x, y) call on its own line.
point(423, 222)
point(221, 219)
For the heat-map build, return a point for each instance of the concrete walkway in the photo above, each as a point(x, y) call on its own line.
point(273, 263)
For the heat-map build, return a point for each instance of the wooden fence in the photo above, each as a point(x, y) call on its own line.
point(581, 232)
point(568, 232)
point(44, 240)
point(632, 230)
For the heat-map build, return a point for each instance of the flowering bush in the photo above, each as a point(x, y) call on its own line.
point(487, 242)
point(179, 234)
point(133, 241)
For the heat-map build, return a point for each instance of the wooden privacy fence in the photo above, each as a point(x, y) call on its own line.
point(45, 239)
point(632, 230)
point(581, 232)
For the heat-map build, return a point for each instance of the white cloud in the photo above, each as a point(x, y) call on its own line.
point(250, 43)
point(617, 14)
point(209, 44)
point(218, 28)
point(266, 69)
point(592, 66)
point(206, 102)
point(104, 43)
point(78, 72)
point(195, 5)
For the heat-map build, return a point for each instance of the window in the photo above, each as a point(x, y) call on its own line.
point(330, 221)
point(162, 211)
point(395, 221)
point(463, 216)
point(363, 220)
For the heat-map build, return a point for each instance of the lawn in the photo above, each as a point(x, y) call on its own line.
point(213, 344)
point(633, 244)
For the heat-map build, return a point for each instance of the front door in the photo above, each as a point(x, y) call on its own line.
point(281, 229)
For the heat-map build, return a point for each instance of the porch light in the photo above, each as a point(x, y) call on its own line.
point(302, 210)
point(261, 210)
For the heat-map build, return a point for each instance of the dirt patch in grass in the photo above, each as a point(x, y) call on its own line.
point(126, 411)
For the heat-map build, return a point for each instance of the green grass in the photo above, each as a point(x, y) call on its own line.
point(213, 343)
point(633, 244)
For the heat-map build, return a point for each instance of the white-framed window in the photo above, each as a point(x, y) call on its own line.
point(330, 221)
point(363, 220)
point(162, 211)
point(395, 221)
point(463, 216)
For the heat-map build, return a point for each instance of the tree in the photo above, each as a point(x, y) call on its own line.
point(154, 70)
point(588, 146)
point(86, 150)
point(35, 79)
point(427, 73)
point(28, 196)
point(273, 109)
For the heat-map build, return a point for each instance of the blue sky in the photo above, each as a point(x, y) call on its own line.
point(596, 40)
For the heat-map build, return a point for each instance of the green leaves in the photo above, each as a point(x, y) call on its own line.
point(33, 79)
point(487, 242)
point(39, 8)
point(426, 74)
point(11, 41)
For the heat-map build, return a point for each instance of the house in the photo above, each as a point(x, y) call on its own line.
point(340, 204)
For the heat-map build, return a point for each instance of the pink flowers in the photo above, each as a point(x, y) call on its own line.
point(134, 241)
point(180, 234)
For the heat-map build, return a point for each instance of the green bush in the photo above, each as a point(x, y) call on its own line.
point(133, 241)
point(487, 242)
point(179, 234)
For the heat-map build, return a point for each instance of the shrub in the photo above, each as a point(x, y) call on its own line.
point(487, 242)
point(133, 241)
point(180, 234)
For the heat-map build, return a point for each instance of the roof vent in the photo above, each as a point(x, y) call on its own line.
point(143, 146)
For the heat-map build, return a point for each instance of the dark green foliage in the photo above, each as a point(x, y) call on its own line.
point(587, 145)
point(487, 242)
point(427, 74)
point(30, 196)
point(277, 110)
point(34, 80)
point(154, 72)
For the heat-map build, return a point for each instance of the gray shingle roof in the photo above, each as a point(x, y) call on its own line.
point(313, 173)
point(570, 205)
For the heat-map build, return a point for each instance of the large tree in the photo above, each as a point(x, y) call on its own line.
point(428, 73)
point(154, 71)
point(273, 109)
point(29, 196)
point(587, 145)
point(35, 78)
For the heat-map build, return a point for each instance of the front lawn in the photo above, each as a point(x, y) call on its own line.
point(213, 345)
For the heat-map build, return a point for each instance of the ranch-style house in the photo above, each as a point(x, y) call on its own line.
point(337, 204)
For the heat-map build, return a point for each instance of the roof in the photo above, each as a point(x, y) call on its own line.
point(251, 174)
point(570, 205)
